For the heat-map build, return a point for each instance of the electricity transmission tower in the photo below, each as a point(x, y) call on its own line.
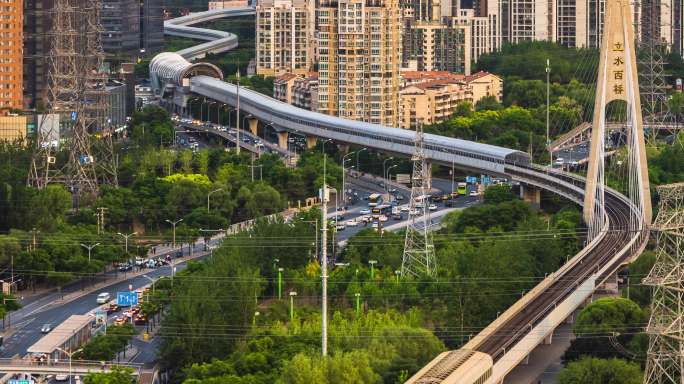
point(652, 78)
point(665, 358)
point(419, 251)
point(78, 105)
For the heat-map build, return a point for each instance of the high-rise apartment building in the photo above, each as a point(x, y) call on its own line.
point(132, 28)
point(284, 36)
point(37, 43)
point(11, 69)
point(359, 58)
point(437, 46)
point(120, 21)
point(151, 27)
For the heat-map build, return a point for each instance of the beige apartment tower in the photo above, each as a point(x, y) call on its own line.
point(284, 36)
point(11, 70)
point(359, 59)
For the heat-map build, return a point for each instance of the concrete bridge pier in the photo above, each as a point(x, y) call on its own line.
point(311, 142)
point(531, 195)
point(253, 125)
point(282, 139)
point(548, 339)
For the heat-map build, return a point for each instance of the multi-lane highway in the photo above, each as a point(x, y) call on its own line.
point(50, 309)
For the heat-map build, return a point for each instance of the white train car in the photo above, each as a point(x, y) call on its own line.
point(462, 366)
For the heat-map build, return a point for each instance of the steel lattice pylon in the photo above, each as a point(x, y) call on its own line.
point(652, 77)
point(78, 104)
point(665, 358)
point(419, 251)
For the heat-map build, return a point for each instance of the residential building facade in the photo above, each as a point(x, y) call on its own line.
point(432, 97)
point(228, 4)
point(359, 59)
point(12, 127)
point(437, 46)
point(11, 65)
point(431, 102)
point(284, 36)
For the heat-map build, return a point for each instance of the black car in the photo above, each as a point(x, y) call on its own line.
point(125, 267)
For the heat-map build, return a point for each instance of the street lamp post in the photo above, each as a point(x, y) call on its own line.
point(372, 269)
point(89, 248)
point(292, 295)
point(280, 283)
point(275, 269)
point(548, 91)
point(174, 230)
point(70, 354)
point(209, 104)
point(358, 303)
point(389, 178)
point(383, 168)
point(315, 222)
point(397, 273)
point(126, 236)
point(210, 193)
point(344, 172)
point(237, 121)
point(358, 167)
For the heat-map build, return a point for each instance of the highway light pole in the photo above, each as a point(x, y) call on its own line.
point(89, 248)
point(344, 172)
point(384, 163)
point(324, 259)
point(237, 121)
point(358, 167)
point(389, 177)
point(126, 236)
point(209, 194)
point(174, 230)
point(548, 92)
point(70, 354)
point(372, 269)
point(292, 295)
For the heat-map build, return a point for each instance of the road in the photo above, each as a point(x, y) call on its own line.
point(48, 309)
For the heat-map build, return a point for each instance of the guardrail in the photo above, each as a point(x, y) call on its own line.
point(9, 365)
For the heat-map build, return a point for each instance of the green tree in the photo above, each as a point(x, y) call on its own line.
point(641, 267)
point(117, 375)
point(151, 126)
point(607, 315)
point(590, 370)
point(496, 194)
point(488, 103)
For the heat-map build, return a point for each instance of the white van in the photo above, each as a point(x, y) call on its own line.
point(103, 297)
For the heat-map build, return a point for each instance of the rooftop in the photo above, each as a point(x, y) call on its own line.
point(61, 334)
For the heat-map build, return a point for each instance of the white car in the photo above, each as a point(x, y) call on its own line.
point(61, 377)
point(474, 193)
point(340, 227)
point(383, 218)
point(405, 208)
point(365, 211)
point(352, 223)
point(103, 297)
point(432, 207)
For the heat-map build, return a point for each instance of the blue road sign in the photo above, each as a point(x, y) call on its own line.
point(127, 299)
point(74, 115)
point(471, 179)
point(15, 381)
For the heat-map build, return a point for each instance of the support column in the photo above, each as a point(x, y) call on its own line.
point(530, 195)
point(310, 142)
point(343, 148)
point(548, 339)
point(253, 124)
point(282, 139)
